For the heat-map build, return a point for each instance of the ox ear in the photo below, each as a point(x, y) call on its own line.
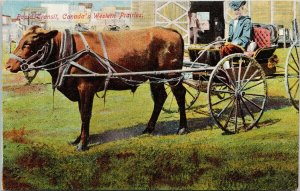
point(46, 35)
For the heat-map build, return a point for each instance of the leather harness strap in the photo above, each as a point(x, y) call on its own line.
point(110, 72)
point(103, 46)
point(66, 49)
point(86, 45)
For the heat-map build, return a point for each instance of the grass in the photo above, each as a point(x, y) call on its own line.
point(37, 156)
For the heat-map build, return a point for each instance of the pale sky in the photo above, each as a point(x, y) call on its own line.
point(13, 7)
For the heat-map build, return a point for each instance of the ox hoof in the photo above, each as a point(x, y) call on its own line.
point(148, 131)
point(81, 147)
point(76, 142)
point(72, 143)
point(182, 131)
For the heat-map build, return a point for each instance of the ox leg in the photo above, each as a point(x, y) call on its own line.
point(179, 93)
point(159, 96)
point(86, 103)
point(77, 140)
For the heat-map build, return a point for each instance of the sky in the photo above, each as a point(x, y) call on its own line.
point(13, 7)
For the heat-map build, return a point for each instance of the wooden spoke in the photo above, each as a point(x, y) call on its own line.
point(219, 114)
point(259, 95)
point(225, 83)
point(297, 71)
point(223, 91)
point(169, 92)
point(261, 82)
point(188, 91)
point(246, 72)
point(220, 77)
point(242, 113)
point(235, 117)
point(248, 80)
point(192, 94)
point(247, 108)
point(228, 119)
point(239, 74)
point(296, 48)
point(292, 86)
point(295, 61)
point(296, 92)
point(232, 70)
point(229, 78)
point(220, 101)
point(254, 104)
point(293, 76)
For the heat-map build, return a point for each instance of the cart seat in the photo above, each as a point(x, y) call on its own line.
point(262, 38)
point(265, 38)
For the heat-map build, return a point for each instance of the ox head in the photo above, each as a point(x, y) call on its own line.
point(31, 48)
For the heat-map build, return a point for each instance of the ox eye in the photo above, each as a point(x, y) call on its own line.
point(25, 46)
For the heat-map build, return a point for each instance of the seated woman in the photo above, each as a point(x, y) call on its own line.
point(240, 30)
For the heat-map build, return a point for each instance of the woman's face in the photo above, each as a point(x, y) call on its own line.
point(238, 12)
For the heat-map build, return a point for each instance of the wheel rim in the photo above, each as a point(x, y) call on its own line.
point(292, 74)
point(244, 95)
point(192, 94)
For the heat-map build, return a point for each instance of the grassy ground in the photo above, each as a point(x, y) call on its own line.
point(37, 156)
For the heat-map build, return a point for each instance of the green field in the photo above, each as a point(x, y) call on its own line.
point(37, 155)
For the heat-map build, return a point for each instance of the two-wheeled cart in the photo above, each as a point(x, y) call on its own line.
point(236, 85)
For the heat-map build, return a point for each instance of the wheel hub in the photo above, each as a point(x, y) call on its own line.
point(239, 94)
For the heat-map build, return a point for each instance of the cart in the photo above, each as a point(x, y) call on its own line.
point(292, 68)
point(236, 85)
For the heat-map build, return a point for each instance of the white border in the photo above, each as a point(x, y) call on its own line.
point(1, 113)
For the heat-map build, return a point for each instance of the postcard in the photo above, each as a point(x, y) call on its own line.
point(149, 95)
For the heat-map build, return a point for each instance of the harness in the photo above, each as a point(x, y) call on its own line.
point(43, 56)
point(67, 59)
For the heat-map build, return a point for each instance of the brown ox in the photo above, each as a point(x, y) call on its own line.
point(150, 49)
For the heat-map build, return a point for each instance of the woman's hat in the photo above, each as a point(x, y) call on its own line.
point(235, 5)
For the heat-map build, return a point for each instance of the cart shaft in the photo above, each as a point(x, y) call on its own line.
point(141, 73)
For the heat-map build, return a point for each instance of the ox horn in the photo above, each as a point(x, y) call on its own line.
point(41, 31)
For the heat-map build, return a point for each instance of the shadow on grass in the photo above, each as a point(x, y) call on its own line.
point(170, 127)
point(162, 129)
point(277, 102)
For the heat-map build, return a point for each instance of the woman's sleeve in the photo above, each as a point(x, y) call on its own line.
point(230, 34)
point(246, 34)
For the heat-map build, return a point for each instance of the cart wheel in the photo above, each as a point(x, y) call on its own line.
point(292, 74)
point(242, 88)
point(192, 93)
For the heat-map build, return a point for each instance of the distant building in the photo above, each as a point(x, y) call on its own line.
point(174, 13)
point(6, 23)
point(107, 16)
point(59, 10)
point(67, 15)
point(11, 31)
point(30, 16)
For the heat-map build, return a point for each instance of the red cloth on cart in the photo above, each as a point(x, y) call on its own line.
point(228, 49)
